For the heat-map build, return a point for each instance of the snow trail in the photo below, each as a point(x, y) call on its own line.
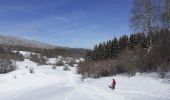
point(49, 84)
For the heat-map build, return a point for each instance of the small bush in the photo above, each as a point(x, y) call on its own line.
point(66, 67)
point(11, 68)
point(72, 63)
point(15, 77)
point(18, 56)
point(130, 62)
point(162, 70)
point(31, 70)
point(6, 53)
point(54, 66)
point(38, 59)
point(7, 66)
point(60, 63)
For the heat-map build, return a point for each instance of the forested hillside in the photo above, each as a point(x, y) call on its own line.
point(146, 50)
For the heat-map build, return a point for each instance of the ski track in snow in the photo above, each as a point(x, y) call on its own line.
point(66, 85)
point(95, 93)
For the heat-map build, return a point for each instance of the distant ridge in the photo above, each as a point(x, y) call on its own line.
point(19, 44)
point(16, 41)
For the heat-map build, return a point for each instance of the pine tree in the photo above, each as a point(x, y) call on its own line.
point(108, 49)
point(123, 42)
point(132, 41)
point(94, 57)
point(100, 52)
point(115, 48)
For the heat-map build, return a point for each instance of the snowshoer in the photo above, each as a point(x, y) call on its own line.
point(113, 83)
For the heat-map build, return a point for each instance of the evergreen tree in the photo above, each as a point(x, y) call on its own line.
point(123, 42)
point(115, 48)
point(132, 41)
point(100, 52)
point(108, 49)
point(94, 57)
point(89, 55)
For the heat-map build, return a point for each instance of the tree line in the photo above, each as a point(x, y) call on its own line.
point(111, 49)
point(146, 50)
point(129, 54)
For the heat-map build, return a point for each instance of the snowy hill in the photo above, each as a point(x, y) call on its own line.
point(57, 84)
point(15, 41)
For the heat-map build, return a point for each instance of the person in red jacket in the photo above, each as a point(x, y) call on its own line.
point(113, 83)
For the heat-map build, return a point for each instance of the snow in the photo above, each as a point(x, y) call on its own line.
point(25, 53)
point(82, 59)
point(49, 84)
point(52, 61)
point(79, 60)
point(136, 88)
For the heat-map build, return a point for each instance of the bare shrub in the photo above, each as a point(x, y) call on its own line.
point(38, 58)
point(60, 63)
point(15, 77)
point(31, 70)
point(105, 68)
point(162, 70)
point(54, 66)
point(66, 67)
point(159, 57)
point(84, 68)
point(128, 62)
point(72, 63)
point(97, 69)
point(18, 56)
point(11, 68)
point(7, 66)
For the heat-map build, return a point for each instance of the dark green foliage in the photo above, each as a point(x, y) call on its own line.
point(113, 48)
point(123, 42)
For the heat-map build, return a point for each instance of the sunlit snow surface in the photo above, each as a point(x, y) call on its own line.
point(49, 84)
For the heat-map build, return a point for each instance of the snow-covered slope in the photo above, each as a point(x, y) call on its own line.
point(49, 84)
point(15, 41)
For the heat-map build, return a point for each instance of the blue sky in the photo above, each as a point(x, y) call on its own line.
point(71, 23)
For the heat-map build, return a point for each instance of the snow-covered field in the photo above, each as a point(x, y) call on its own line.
point(49, 84)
